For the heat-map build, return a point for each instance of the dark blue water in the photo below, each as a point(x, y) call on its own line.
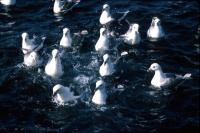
point(133, 106)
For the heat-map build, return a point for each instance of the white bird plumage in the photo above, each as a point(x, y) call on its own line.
point(8, 2)
point(31, 59)
point(54, 67)
point(100, 94)
point(62, 94)
point(58, 6)
point(105, 17)
point(103, 41)
point(66, 40)
point(132, 36)
point(161, 79)
point(155, 30)
point(107, 68)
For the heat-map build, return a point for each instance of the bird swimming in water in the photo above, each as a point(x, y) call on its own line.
point(54, 67)
point(132, 36)
point(8, 2)
point(58, 6)
point(30, 45)
point(106, 17)
point(107, 68)
point(63, 95)
point(66, 40)
point(161, 79)
point(103, 41)
point(32, 59)
point(100, 94)
point(155, 30)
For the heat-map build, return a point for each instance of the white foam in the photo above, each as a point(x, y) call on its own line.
point(82, 79)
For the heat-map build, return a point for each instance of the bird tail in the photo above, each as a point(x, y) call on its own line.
point(187, 76)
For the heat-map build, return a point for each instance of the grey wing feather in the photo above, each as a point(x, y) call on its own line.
point(39, 43)
point(170, 75)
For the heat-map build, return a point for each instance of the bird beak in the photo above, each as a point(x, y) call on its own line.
point(153, 23)
point(56, 92)
point(104, 32)
point(136, 32)
point(104, 9)
point(57, 55)
point(66, 33)
point(34, 59)
point(149, 70)
point(158, 23)
point(105, 62)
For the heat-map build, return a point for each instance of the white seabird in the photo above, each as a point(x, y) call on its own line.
point(100, 94)
point(66, 40)
point(107, 68)
point(103, 41)
point(54, 67)
point(58, 6)
point(161, 79)
point(31, 59)
point(8, 2)
point(132, 36)
point(105, 17)
point(29, 45)
point(63, 95)
point(155, 31)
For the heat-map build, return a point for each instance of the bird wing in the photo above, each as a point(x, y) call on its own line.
point(37, 42)
point(175, 79)
point(68, 94)
point(170, 75)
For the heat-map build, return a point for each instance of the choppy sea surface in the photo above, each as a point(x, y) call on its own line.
point(133, 106)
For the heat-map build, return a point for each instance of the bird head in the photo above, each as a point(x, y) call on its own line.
point(55, 53)
point(25, 35)
point(106, 7)
point(155, 21)
point(99, 83)
point(103, 31)
point(66, 31)
point(106, 58)
point(134, 27)
point(34, 56)
point(56, 88)
point(154, 67)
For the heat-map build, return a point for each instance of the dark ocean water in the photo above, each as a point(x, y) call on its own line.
point(133, 106)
